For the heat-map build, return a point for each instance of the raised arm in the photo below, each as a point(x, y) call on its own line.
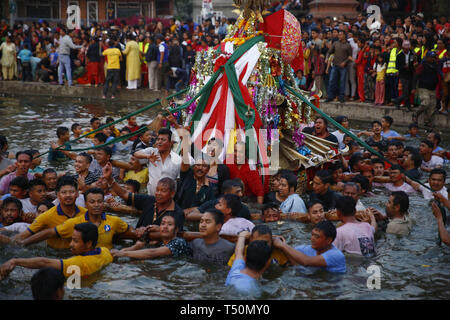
point(107, 175)
point(240, 245)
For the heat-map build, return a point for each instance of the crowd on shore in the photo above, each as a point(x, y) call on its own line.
point(403, 62)
point(231, 202)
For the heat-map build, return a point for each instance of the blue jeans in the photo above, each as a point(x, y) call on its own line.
point(337, 77)
point(64, 64)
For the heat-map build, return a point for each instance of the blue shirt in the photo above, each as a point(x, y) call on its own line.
point(25, 55)
point(334, 258)
point(390, 133)
point(53, 58)
point(293, 203)
point(242, 282)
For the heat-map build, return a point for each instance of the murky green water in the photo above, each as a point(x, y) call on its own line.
point(413, 267)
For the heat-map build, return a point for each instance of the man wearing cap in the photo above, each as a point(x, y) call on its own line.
point(65, 44)
point(428, 77)
point(405, 66)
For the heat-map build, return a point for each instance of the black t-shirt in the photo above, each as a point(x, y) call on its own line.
point(146, 203)
point(187, 197)
point(243, 213)
point(271, 197)
point(328, 199)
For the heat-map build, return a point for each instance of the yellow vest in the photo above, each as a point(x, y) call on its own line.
point(442, 54)
point(391, 68)
point(141, 46)
point(423, 53)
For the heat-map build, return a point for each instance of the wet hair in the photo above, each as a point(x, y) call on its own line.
point(362, 181)
point(46, 203)
point(217, 215)
point(3, 141)
point(106, 150)
point(258, 253)
point(229, 184)
point(334, 166)
point(352, 185)
point(134, 184)
point(402, 199)
point(375, 122)
point(417, 159)
point(233, 202)
point(262, 229)
point(413, 125)
point(290, 178)
point(411, 149)
point(346, 205)
point(89, 232)
point(354, 159)
point(24, 152)
point(20, 182)
point(165, 131)
point(436, 136)
point(60, 131)
point(94, 119)
point(88, 157)
point(66, 181)
point(396, 167)
point(439, 171)
point(46, 282)
point(428, 143)
point(93, 191)
point(14, 200)
point(101, 137)
point(169, 182)
point(389, 120)
point(270, 205)
point(377, 160)
point(48, 170)
point(36, 182)
point(324, 176)
point(75, 125)
point(328, 229)
point(313, 202)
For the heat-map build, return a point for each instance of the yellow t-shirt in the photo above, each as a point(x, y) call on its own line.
point(50, 219)
point(141, 176)
point(109, 226)
point(91, 136)
point(277, 255)
point(113, 55)
point(88, 263)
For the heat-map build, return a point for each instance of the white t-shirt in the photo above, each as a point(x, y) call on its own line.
point(434, 162)
point(340, 137)
point(17, 227)
point(404, 187)
point(236, 225)
point(169, 168)
point(27, 206)
point(428, 195)
point(356, 238)
point(79, 201)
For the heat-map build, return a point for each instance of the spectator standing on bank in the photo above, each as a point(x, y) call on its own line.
point(65, 44)
point(133, 70)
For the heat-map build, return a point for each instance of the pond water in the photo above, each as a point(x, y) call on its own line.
point(413, 267)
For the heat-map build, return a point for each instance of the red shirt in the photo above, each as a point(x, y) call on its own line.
point(251, 178)
point(133, 129)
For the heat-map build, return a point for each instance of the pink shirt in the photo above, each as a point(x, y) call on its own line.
point(356, 238)
point(6, 180)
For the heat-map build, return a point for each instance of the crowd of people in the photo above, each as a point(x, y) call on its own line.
point(403, 62)
point(229, 200)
